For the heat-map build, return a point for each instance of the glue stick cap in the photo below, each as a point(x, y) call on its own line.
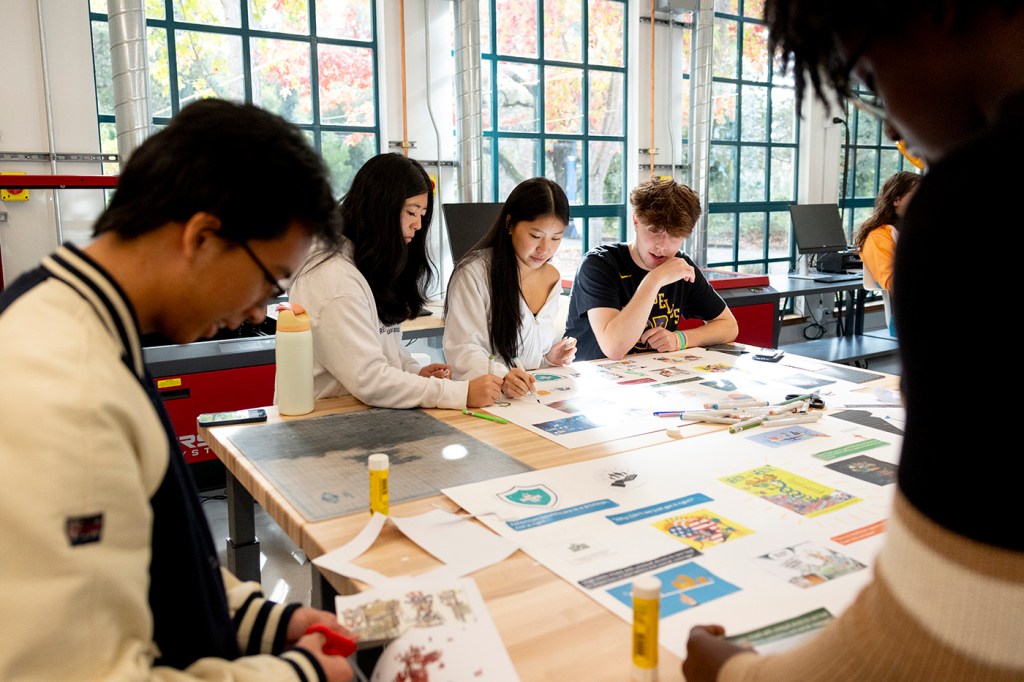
point(378, 462)
point(293, 319)
point(646, 587)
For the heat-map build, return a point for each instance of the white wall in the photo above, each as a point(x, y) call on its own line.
point(31, 230)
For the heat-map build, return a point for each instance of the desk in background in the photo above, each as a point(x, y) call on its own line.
point(852, 345)
point(574, 636)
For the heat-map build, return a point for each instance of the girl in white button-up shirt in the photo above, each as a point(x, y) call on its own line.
point(503, 296)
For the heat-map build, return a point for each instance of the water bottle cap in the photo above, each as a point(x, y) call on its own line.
point(290, 321)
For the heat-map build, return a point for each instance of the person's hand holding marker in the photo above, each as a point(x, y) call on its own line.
point(517, 383)
point(483, 391)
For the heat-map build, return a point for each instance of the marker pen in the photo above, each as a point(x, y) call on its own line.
point(792, 420)
point(797, 399)
point(378, 464)
point(519, 365)
point(646, 592)
point(488, 417)
point(746, 424)
point(728, 404)
point(784, 409)
point(712, 418)
point(791, 415)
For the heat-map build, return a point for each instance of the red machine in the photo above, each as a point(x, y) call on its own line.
point(211, 376)
point(756, 321)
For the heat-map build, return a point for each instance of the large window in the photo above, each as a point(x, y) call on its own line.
point(753, 155)
point(311, 61)
point(869, 158)
point(554, 105)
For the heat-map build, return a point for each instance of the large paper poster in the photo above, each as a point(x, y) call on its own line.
point(752, 530)
point(602, 400)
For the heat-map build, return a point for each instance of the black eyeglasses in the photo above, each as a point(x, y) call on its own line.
point(277, 287)
point(869, 103)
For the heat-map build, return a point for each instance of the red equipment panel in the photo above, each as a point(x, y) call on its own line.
point(756, 324)
point(186, 396)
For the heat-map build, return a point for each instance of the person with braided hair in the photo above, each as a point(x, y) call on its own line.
point(947, 594)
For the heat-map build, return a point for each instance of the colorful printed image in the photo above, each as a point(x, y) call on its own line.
point(677, 359)
point(574, 405)
point(720, 384)
point(389, 618)
point(785, 435)
point(682, 588)
point(560, 427)
point(715, 367)
point(866, 469)
point(789, 491)
point(808, 564)
point(701, 528)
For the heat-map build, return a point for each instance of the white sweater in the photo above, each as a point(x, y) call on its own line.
point(353, 351)
point(467, 342)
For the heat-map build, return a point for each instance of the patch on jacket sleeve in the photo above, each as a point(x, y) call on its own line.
point(82, 530)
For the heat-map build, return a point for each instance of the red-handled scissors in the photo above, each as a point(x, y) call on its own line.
point(337, 644)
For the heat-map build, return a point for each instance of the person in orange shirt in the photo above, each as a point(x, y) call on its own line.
point(876, 237)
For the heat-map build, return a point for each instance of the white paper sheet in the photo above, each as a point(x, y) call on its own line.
point(462, 546)
point(690, 513)
point(444, 631)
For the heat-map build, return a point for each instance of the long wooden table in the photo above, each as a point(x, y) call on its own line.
point(551, 630)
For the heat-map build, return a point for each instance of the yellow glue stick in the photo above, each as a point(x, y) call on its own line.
point(379, 484)
point(646, 590)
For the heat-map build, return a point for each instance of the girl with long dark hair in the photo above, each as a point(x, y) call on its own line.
point(503, 297)
point(876, 237)
point(358, 293)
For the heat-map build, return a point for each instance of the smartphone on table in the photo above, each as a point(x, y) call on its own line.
point(232, 417)
point(769, 354)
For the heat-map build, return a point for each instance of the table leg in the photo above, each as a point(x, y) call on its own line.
point(323, 592)
point(846, 312)
point(862, 296)
point(243, 548)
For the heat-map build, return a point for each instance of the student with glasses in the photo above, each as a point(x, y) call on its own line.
point(947, 596)
point(109, 571)
point(358, 292)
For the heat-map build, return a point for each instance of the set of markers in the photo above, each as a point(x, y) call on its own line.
point(741, 415)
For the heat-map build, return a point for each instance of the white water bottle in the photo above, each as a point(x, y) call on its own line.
point(293, 353)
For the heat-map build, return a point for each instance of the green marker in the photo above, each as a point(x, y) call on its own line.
point(488, 417)
point(746, 424)
point(793, 400)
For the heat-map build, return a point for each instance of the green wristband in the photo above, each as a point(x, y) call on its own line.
point(682, 340)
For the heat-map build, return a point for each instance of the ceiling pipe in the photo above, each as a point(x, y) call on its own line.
point(405, 106)
point(130, 69)
point(51, 141)
point(468, 98)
